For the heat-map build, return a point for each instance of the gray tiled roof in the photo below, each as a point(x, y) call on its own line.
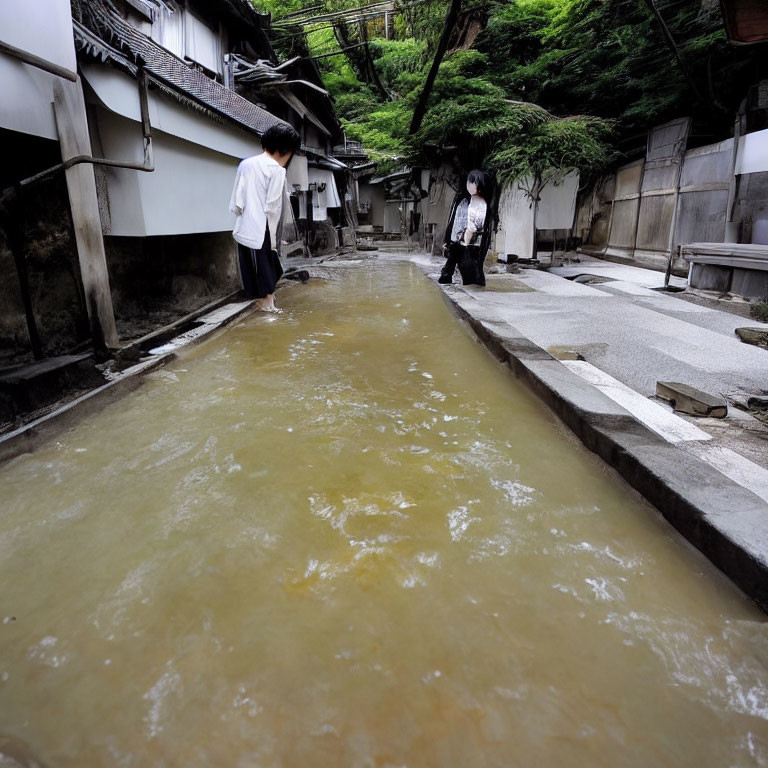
point(127, 47)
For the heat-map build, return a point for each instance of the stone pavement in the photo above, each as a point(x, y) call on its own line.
point(630, 331)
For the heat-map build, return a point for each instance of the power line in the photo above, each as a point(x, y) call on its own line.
point(343, 12)
point(353, 13)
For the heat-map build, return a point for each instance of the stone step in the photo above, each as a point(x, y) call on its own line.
point(756, 336)
point(690, 400)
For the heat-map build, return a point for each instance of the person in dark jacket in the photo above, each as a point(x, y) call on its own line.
point(463, 245)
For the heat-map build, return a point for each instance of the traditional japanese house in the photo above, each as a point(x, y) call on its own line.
point(151, 104)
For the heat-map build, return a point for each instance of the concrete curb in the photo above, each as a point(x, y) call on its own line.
point(29, 437)
point(722, 519)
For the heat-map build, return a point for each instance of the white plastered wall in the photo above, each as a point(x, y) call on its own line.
point(515, 233)
point(195, 158)
point(42, 28)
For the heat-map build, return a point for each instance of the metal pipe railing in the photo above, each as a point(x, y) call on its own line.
point(36, 61)
point(147, 166)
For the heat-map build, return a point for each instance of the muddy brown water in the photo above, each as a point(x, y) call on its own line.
point(346, 536)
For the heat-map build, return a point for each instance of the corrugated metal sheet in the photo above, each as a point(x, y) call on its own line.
point(655, 222)
point(701, 217)
point(707, 165)
point(628, 179)
point(647, 226)
point(623, 224)
point(668, 140)
point(704, 186)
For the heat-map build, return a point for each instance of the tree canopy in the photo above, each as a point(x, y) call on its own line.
point(526, 86)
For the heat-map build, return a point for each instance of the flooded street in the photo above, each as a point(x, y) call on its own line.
point(345, 536)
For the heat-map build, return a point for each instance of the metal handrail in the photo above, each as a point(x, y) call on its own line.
point(36, 61)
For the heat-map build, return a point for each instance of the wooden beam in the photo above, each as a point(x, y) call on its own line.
point(36, 61)
point(72, 124)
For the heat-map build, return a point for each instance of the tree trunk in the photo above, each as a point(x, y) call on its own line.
point(421, 105)
point(373, 74)
point(359, 56)
point(353, 53)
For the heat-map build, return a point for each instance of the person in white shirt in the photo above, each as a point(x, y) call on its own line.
point(257, 201)
point(464, 248)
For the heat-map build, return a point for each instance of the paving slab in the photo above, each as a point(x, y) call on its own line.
point(657, 418)
point(589, 265)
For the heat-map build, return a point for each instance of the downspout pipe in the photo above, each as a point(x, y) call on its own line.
point(730, 227)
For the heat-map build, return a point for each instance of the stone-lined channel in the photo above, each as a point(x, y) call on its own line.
point(346, 536)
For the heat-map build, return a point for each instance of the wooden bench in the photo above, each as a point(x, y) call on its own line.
point(740, 268)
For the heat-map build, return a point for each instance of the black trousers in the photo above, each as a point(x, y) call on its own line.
point(468, 259)
point(260, 268)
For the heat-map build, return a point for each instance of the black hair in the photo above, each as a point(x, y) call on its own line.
point(480, 180)
point(281, 138)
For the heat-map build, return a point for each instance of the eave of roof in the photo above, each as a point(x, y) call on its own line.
point(129, 49)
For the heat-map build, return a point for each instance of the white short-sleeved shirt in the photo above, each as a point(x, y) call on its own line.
point(257, 200)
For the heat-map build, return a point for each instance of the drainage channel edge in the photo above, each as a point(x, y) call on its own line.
point(722, 519)
point(29, 437)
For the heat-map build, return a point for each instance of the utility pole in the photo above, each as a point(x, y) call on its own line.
point(421, 105)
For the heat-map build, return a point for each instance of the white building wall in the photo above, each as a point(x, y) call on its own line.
point(195, 159)
point(753, 153)
point(203, 44)
point(557, 203)
point(120, 94)
point(42, 28)
point(515, 232)
point(168, 28)
point(187, 193)
point(120, 139)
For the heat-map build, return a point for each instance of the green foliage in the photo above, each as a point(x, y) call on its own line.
point(278, 8)
point(393, 58)
point(609, 58)
point(506, 102)
point(759, 311)
point(353, 99)
point(472, 116)
point(553, 146)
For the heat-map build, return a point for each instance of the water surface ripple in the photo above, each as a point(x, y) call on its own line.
point(346, 537)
